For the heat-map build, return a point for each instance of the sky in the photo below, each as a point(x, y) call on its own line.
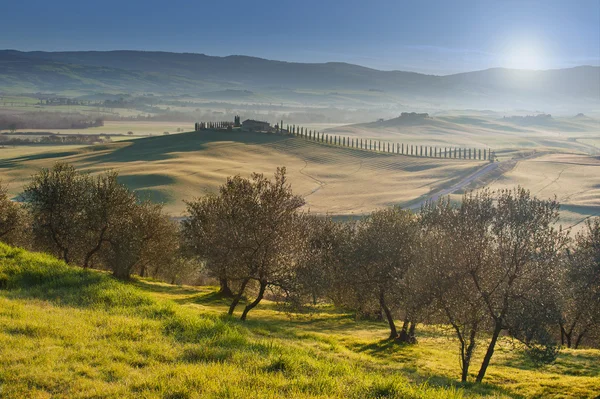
point(435, 36)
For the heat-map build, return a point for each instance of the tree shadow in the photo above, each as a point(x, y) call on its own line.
point(157, 287)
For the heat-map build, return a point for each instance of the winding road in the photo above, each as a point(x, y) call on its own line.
point(469, 179)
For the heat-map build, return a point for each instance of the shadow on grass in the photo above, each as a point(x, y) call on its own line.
point(14, 162)
point(161, 147)
point(162, 288)
point(572, 362)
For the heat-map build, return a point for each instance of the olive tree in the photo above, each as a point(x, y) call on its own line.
point(580, 289)
point(384, 252)
point(456, 243)
point(502, 254)
point(524, 269)
point(204, 237)
point(73, 213)
point(141, 237)
point(90, 220)
point(13, 220)
point(321, 273)
point(248, 233)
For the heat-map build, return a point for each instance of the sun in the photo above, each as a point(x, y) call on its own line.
point(523, 57)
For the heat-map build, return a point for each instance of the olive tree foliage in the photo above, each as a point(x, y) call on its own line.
point(456, 243)
point(55, 199)
point(580, 318)
point(495, 263)
point(73, 212)
point(248, 234)
point(96, 221)
point(142, 238)
point(384, 251)
point(204, 239)
point(523, 279)
point(321, 273)
point(13, 220)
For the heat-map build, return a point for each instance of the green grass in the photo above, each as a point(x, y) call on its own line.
point(72, 333)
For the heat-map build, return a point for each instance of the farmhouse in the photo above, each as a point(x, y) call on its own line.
point(255, 126)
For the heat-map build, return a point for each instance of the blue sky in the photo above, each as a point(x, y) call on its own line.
point(439, 37)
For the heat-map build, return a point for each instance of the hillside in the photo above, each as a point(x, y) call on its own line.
point(199, 74)
point(66, 332)
point(170, 169)
point(503, 133)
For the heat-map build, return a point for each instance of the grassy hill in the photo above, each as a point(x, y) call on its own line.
point(503, 135)
point(169, 169)
point(66, 332)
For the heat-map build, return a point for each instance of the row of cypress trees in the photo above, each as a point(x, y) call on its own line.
point(393, 148)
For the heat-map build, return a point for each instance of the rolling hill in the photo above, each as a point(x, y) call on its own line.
point(169, 169)
point(195, 74)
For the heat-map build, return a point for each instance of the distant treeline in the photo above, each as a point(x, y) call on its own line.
point(86, 139)
point(48, 120)
point(539, 119)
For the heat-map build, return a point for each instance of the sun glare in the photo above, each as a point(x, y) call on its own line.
point(523, 57)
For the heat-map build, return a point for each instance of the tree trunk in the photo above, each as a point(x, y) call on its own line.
point(565, 337)
point(579, 338)
point(224, 289)
point(66, 255)
point(237, 298)
point(411, 333)
point(469, 354)
point(259, 297)
point(404, 332)
point(490, 351)
point(88, 256)
point(388, 315)
point(122, 273)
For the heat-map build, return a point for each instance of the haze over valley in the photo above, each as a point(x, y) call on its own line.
point(300, 200)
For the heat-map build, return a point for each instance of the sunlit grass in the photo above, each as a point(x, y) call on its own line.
point(70, 333)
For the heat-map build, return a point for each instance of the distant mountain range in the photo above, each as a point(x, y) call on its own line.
point(257, 79)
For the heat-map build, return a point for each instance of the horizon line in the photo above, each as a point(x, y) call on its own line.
point(296, 62)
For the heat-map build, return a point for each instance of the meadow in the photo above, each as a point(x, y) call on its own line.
point(66, 332)
point(335, 180)
point(503, 135)
point(170, 169)
point(573, 179)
